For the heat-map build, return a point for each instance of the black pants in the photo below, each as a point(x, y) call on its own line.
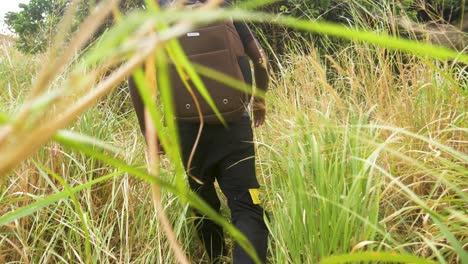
point(226, 155)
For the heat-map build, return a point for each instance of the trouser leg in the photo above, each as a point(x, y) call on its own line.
point(202, 167)
point(228, 155)
point(209, 232)
point(237, 177)
point(248, 218)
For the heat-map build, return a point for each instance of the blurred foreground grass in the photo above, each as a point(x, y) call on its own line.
point(364, 150)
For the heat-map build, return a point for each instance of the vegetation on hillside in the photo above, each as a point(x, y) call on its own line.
point(363, 155)
point(35, 24)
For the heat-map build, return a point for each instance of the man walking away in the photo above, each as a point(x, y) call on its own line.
point(226, 154)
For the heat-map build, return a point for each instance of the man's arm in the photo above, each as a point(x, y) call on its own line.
point(137, 103)
point(260, 63)
point(140, 110)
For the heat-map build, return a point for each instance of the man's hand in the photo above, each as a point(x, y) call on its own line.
point(259, 112)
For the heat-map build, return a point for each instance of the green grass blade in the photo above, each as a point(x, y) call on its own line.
point(375, 256)
point(46, 201)
point(84, 219)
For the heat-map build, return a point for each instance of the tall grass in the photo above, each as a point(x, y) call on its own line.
point(363, 152)
point(355, 169)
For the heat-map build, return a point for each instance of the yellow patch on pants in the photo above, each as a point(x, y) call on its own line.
point(255, 195)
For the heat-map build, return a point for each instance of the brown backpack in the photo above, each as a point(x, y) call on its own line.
point(219, 47)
